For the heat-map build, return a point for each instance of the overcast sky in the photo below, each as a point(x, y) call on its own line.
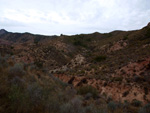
point(51, 17)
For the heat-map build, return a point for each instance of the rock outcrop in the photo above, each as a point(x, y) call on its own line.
point(148, 24)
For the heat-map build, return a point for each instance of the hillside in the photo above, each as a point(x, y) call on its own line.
point(98, 71)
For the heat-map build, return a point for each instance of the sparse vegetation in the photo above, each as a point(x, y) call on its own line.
point(136, 103)
point(87, 89)
point(100, 58)
point(145, 109)
point(148, 33)
point(38, 64)
point(125, 38)
point(16, 70)
point(86, 73)
point(118, 79)
point(112, 106)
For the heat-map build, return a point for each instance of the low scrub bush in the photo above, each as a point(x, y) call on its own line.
point(112, 106)
point(3, 62)
point(38, 64)
point(118, 79)
point(19, 101)
point(74, 106)
point(125, 38)
point(35, 92)
point(100, 58)
point(88, 89)
point(145, 109)
point(16, 70)
point(136, 103)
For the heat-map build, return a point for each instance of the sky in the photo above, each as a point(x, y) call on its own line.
point(55, 17)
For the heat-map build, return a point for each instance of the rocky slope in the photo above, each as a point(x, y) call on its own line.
point(117, 64)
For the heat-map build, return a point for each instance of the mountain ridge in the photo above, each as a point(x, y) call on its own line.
point(111, 67)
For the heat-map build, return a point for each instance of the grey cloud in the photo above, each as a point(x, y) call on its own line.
point(73, 16)
point(5, 22)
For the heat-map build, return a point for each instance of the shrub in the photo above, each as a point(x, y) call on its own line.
point(18, 100)
point(99, 58)
point(126, 104)
point(18, 81)
point(112, 106)
point(74, 106)
point(77, 43)
point(3, 62)
point(146, 90)
point(118, 79)
point(88, 89)
point(70, 92)
point(88, 39)
point(52, 104)
point(37, 40)
point(66, 108)
point(15, 93)
point(38, 64)
point(93, 109)
point(16, 70)
point(147, 33)
point(33, 67)
point(138, 79)
point(125, 93)
point(125, 38)
point(136, 103)
point(35, 93)
point(12, 47)
point(145, 109)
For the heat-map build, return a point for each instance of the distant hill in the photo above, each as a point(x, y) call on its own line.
point(2, 31)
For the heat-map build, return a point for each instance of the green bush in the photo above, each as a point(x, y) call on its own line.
point(74, 106)
point(37, 40)
point(87, 89)
point(112, 106)
point(99, 58)
point(35, 93)
point(93, 109)
point(3, 62)
point(16, 70)
point(15, 93)
point(118, 78)
point(136, 103)
point(125, 38)
point(18, 100)
point(38, 64)
point(145, 109)
point(147, 33)
point(77, 43)
point(52, 103)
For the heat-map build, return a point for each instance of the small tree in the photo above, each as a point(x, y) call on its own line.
point(112, 106)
